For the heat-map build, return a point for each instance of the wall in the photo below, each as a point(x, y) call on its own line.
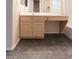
point(12, 24)
point(51, 27)
point(8, 24)
point(15, 23)
point(69, 12)
point(68, 30)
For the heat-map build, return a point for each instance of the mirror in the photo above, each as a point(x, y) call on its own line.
point(43, 6)
point(36, 5)
point(47, 5)
point(25, 2)
point(56, 7)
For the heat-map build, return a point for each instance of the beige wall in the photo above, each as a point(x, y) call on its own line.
point(69, 12)
point(15, 23)
point(51, 27)
point(12, 24)
point(8, 24)
point(68, 30)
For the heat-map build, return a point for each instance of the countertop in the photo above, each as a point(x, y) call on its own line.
point(37, 14)
point(50, 16)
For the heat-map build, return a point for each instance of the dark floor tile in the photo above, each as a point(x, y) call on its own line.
point(52, 47)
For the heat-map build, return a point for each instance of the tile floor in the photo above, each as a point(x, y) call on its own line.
point(52, 47)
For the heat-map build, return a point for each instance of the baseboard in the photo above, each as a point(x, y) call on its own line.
point(51, 32)
point(8, 49)
point(13, 47)
point(68, 35)
point(68, 32)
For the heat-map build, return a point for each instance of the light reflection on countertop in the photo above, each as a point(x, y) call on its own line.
point(38, 14)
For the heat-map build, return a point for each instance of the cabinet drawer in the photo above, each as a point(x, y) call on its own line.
point(39, 18)
point(25, 18)
point(57, 18)
point(25, 29)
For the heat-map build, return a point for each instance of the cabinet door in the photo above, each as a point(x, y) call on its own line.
point(38, 29)
point(26, 29)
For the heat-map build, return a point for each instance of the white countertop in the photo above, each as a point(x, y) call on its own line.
point(37, 14)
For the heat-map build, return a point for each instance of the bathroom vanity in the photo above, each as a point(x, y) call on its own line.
point(34, 26)
point(32, 22)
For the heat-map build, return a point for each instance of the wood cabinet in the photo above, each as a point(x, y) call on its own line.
point(26, 29)
point(25, 18)
point(38, 29)
point(39, 18)
point(57, 18)
point(31, 27)
point(38, 26)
